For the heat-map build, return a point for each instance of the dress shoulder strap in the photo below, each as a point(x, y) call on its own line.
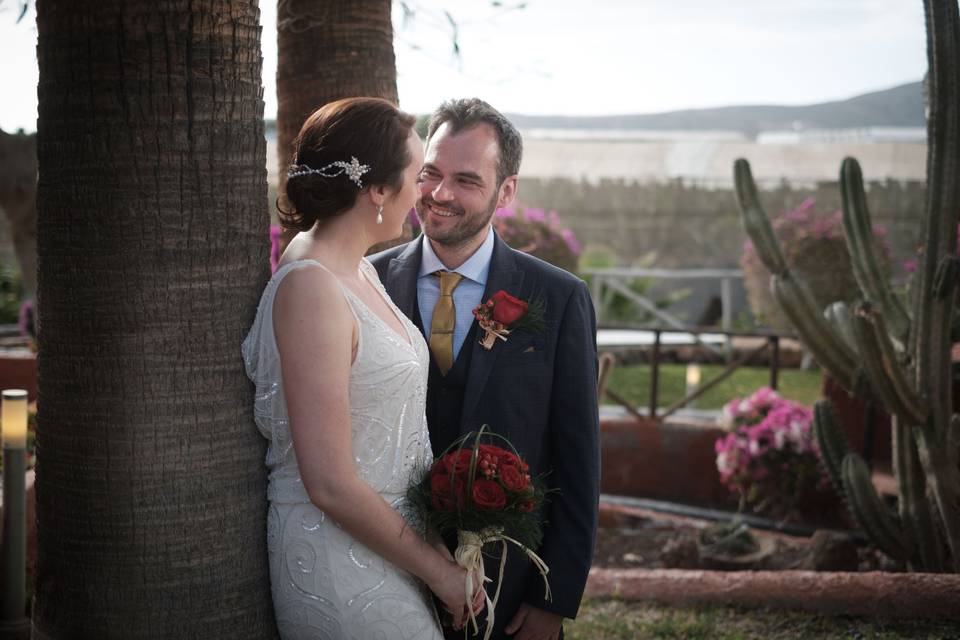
point(284, 269)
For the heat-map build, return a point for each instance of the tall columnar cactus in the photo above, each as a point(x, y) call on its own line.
point(880, 349)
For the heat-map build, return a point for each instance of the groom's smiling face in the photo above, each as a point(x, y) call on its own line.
point(458, 185)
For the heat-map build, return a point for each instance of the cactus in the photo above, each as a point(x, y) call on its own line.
point(915, 509)
point(866, 267)
point(882, 350)
point(833, 443)
point(897, 536)
point(868, 509)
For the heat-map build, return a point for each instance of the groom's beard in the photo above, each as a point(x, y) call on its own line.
point(468, 225)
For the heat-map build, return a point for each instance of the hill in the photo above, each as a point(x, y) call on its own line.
point(900, 106)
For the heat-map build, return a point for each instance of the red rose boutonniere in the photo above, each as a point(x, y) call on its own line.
point(503, 313)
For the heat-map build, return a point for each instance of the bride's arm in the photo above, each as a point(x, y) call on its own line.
point(315, 333)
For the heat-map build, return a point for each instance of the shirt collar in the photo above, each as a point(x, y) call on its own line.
point(475, 268)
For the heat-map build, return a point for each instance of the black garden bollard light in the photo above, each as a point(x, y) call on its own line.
point(13, 622)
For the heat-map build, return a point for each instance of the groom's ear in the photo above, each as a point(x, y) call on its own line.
point(508, 191)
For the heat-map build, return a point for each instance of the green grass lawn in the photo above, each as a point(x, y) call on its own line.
point(620, 620)
point(633, 382)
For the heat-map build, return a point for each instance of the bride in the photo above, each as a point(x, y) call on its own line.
point(340, 379)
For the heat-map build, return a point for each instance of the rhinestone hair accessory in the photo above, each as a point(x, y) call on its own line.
point(353, 170)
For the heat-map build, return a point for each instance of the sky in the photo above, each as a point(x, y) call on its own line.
point(598, 57)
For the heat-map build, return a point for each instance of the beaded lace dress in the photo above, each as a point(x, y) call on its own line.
point(325, 584)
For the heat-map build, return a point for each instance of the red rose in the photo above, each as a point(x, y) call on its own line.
point(441, 492)
point(503, 456)
point(444, 494)
point(511, 459)
point(458, 462)
point(506, 308)
point(526, 506)
point(512, 478)
point(488, 494)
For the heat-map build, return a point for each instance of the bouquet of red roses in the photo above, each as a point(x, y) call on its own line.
point(480, 491)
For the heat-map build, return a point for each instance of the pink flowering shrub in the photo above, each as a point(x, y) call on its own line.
point(540, 234)
point(770, 457)
point(813, 245)
point(275, 235)
point(750, 410)
point(909, 266)
point(414, 221)
point(27, 322)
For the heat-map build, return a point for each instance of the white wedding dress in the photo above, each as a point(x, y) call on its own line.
point(325, 584)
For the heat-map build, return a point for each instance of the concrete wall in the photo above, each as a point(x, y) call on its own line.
point(711, 161)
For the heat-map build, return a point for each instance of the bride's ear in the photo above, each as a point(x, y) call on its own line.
point(378, 194)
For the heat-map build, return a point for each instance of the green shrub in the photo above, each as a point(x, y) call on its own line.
point(614, 307)
point(11, 294)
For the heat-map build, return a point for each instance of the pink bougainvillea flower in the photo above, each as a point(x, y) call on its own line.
point(770, 456)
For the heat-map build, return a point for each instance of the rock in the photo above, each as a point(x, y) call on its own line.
point(681, 552)
point(830, 551)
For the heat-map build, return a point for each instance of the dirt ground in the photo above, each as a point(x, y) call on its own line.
point(670, 542)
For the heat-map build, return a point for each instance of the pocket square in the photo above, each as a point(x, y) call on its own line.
point(530, 349)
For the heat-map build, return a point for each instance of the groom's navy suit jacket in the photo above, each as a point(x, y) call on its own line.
point(540, 391)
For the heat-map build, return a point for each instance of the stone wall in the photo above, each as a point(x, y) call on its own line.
point(690, 226)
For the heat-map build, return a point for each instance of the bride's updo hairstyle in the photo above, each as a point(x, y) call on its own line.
point(324, 180)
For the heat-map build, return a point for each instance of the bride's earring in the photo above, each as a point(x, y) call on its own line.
point(380, 214)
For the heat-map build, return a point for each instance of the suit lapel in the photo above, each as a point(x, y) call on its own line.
point(504, 275)
point(401, 281)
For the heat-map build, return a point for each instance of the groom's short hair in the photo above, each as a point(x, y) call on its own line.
point(464, 113)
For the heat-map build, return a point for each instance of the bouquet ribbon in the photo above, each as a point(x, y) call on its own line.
point(469, 556)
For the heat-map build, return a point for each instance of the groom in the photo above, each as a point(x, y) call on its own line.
point(538, 389)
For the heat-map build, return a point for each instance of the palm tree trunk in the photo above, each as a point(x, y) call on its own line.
point(152, 242)
point(327, 51)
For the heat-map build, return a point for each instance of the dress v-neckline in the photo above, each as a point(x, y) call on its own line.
point(390, 306)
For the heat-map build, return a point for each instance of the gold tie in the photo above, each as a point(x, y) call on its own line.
point(444, 316)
